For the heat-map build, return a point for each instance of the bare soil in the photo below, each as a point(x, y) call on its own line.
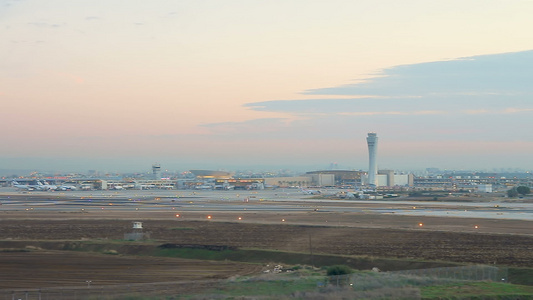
point(502, 242)
point(68, 268)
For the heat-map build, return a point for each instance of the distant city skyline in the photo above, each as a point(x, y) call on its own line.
point(259, 169)
point(252, 84)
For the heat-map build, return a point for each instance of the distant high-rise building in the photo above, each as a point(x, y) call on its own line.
point(372, 141)
point(156, 171)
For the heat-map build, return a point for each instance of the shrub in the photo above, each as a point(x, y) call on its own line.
point(338, 270)
point(523, 190)
point(512, 193)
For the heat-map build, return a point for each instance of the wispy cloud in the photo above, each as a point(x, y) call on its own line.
point(397, 113)
point(512, 110)
point(498, 74)
point(46, 24)
point(470, 99)
point(488, 84)
point(8, 3)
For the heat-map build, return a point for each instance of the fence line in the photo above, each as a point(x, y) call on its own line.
point(420, 277)
point(475, 273)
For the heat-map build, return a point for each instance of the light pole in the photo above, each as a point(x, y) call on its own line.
point(88, 283)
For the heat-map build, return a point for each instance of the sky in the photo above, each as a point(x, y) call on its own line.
point(119, 85)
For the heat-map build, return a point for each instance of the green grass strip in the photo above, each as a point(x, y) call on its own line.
point(477, 290)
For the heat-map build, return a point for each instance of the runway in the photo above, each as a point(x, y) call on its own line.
point(280, 200)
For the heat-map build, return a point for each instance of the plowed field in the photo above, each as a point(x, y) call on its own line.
point(443, 239)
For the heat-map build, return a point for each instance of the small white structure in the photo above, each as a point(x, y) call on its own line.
point(137, 233)
point(388, 178)
point(137, 225)
point(484, 188)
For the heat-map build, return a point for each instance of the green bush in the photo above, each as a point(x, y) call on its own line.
point(512, 193)
point(523, 190)
point(338, 270)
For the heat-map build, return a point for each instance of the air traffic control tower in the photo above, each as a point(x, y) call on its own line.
point(372, 141)
point(156, 171)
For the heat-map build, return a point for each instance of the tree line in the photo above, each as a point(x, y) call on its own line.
point(520, 190)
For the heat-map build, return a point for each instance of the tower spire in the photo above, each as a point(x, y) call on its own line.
point(372, 141)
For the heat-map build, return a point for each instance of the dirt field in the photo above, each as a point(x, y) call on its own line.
point(504, 242)
point(69, 268)
point(414, 242)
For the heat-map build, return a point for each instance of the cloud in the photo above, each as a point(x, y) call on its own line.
point(469, 99)
point(396, 113)
point(509, 110)
point(446, 113)
point(46, 24)
point(497, 74)
point(9, 3)
point(488, 84)
point(512, 110)
point(458, 104)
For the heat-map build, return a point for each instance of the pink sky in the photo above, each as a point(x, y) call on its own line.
point(104, 82)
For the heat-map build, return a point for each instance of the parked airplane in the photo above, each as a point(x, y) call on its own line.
point(311, 192)
point(204, 187)
point(67, 188)
point(46, 186)
point(40, 186)
point(147, 186)
point(27, 187)
point(33, 187)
